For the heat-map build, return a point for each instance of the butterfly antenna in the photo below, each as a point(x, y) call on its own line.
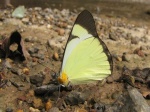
point(58, 92)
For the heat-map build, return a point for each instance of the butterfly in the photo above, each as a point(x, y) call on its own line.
point(86, 58)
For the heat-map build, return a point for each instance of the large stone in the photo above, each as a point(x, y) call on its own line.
point(19, 12)
point(138, 102)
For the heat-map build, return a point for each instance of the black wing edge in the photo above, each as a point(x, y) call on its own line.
point(106, 50)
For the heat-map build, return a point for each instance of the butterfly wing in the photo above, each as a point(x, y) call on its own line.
point(86, 57)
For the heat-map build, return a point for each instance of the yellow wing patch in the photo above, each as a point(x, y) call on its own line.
point(79, 31)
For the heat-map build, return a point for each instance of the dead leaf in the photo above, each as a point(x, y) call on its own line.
point(9, 45)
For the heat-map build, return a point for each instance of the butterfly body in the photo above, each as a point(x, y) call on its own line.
point(86, 58)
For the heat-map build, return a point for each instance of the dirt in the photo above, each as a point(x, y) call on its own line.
point(100, 93)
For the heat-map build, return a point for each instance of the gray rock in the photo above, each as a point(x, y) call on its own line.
point(20, 88)
point(144, 73)
point(54, 43)
point(8, 109)
point(75, 98)
point(25, 20)
point(19, 12)
point(116, 95)
point(37, 79)
point(135, 40)
point(139, 103)
point(8, 83)
point(33, 50)
point(31, 39)
point(28, 39)
point(7, 64)
point(130, 101)
point(128, 36)
point(51, 42)
point(19, 71)
point(113, 36)
point(39, 55)
point(99, 107)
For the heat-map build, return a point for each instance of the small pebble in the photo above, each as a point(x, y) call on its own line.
point(25, 20)
point(37, 103)
point(61, 32)
point(7, 64)
point(20, 88)
point(48, 105)
point(115, 95)
point(49, 26)
point(28, 39)
point(139, 52)
point(113, 36)
point(127, 57)
point(25, 71)
point(37, 79)
point(109, 79)
point(8, 109)
point(31, 109)
point(134, 40)
point(19, 71)
point(9, 83)
point(118, 58)
point(56, 56)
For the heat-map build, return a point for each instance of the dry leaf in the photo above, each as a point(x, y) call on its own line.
point(9, 45)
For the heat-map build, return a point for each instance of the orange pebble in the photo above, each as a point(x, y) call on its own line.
point(48, 105)
point(20, 110)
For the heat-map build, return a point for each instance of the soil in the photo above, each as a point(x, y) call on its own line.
point(134, 22)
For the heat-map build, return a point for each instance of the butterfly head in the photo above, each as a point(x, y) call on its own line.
point(63, 79)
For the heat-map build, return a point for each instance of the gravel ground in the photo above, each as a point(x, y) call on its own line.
point(45, 32)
